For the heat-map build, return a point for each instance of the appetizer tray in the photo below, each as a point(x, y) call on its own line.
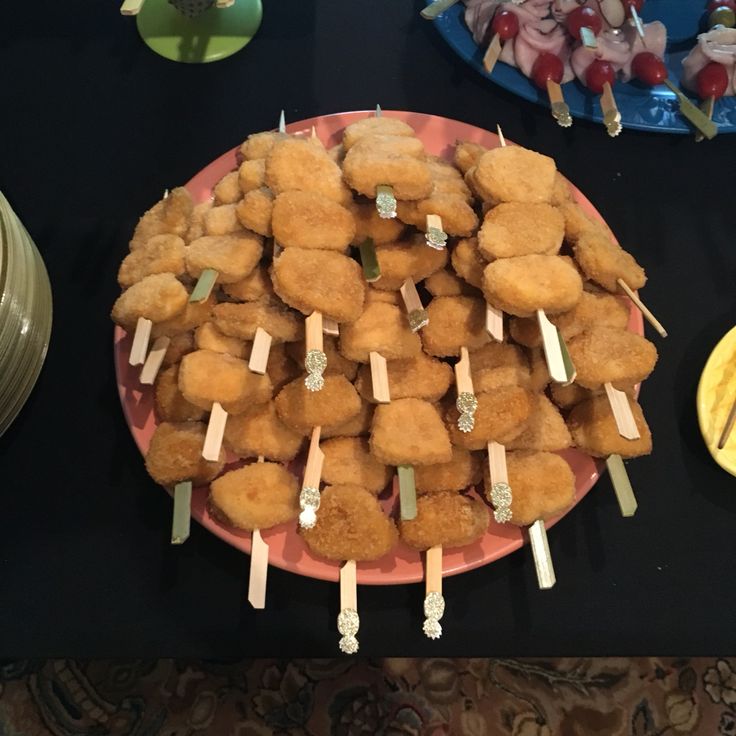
point(287, 550)
point(643, 108)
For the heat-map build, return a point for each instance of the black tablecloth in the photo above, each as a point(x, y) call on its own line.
point(94, 126)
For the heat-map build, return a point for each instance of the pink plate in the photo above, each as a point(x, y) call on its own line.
point(287, 550)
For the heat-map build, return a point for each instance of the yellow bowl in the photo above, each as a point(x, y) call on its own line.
point(716, 394)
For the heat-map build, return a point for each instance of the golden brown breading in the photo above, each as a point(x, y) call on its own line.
point(179, 346)
point(242, 321)
point(458, 217)
point(448, 518)
point(409, 432)
point(336, 363)
point(302, 409)
point(171, 406)
point(157, 297)
point(387, 297)
point(259, 431)
point(539, 376)
point(515, 174)
point(498, 364)
point(420, 377)
point(521, 229)
point(161, 254)
point(374, 126)
point(369, 224)
point(255, 210)
point(358, 426)
point(281, 368)
point(524, 284)
point(350, 526)
point(206, 377)
point(227, 190)
point(407, 259)
point(382, 328)
point(602, 261)
point(232, 256)
point(467, 261)
point(308, 220)
point(256, 496)
point(193, 315)
point(169, 215)
point(259, 145)
point(196, 221)
point(500, 417)
point(455, 322)
point(594, 429)
point(320, 280)
point(577, 222)
point(567, 396)
point(525, 331)
point(465, 469)
point(208, 337)
point(254, 287)
point(593, 310)
point(562, 192)
point(446, 283)
point(348, 461)
point(605, 354)
point(545, 429)
point(175, 454)
point(221, 220)
point(252, 175)
point(467, 154)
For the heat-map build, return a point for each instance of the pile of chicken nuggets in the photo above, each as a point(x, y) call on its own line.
point(518, 242)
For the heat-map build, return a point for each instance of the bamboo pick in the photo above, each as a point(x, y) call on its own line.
point(141, 338)
point(466, 402)
point(258, 361)
point(434, 603)
point(542, 558)
point(309, 496)
point(379, 378)
point(435, 8)
point(693, 113)
point(131, 7)
point(315, 360)
point(621, 485)
point(215, 432)
point(494, 323)
point(638, 24)
point(348, 621)
point(154, 360)
point(611, 114)
point(282, 123)
point(407, 492)
point(205, 283)
point(385, 199)
point(492, 53)
point(415, 310)
point(369, 261)
point(622, 414)
point(435, 236)
point(707, 107)
point(224, 3)
point(330, 327)
point(648, 316)
point(181, 519)
point(258, 567)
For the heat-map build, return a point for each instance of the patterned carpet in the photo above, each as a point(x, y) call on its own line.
point(353, 697)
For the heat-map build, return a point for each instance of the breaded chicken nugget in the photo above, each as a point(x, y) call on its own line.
point(206, 377)
point(382, 328)
point(161, 254)
point(409, 432)
point(369, 224)
point(539, 377)
point(458, 217)
point(320, 280)
point(407, 259)
point(593, 310)
point(498, 364)
point(542, 486)
point(521, 229)
point(254, 211)
point(256, 496)
point(465, 469)
point(567, 396)
point(281, 368)
point(604, 262)
point(395, 161)
point(169, 215)
point(232, 256)
point(545, 429)
point(455, 322)
point(467, 154)
point(387, 297)
point(446, 283)
point(562, 193)
point(308, 220)
point(227, 190)
point(446, 179)
point(577, 222)
point(447, 518)
point(193, 315)
point(254, 287)
point(171, 406)
point(157, 297)
point(468, 262)
point(259, 431)
point(420, 377)
point(501, 416)
point(296, 164)
point(374, 126)
point(259, 145)
point(522, 285)
point(348, 461)
point(179, 346)
point(196, 221)
point(208, 337)
point(605, 354)
point(516, 174)
point(242, 321)
point(221, 220)
point(350, 526)
point(358, 426)
point(252, 175)
point(336, 363)
point(302, 409)
point(175, 454)
point(594, 429)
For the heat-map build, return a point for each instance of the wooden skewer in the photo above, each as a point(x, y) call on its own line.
point(557, 104)
point(611, 114)
point(415, 310)
point(154, 360)
point(727, 427)
point(494, 323)
point(648, 316)
point(258, 361)
point(309, 497)
point(215, 433)
point(542, 558)
point(182, 512)
point(466, 403)
point(141, 338)
point(435, 235)
point(492, 53)
point(553, 352)
point(638, 24)
point(258, 567)
point(131, 7)
point(693, 113)
point(622, 414)
point(435, 8)
point(434, 603)
point(501, 138)
point(379, 378)
point(706, 107)
point(499, 494)
point(621, 485)
point(315, 360)
point(282, 123)
point(348, 621)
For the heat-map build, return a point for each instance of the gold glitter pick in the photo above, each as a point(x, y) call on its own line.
point(348, 621)
point(500, 494)
point(467, 405)
point(315, 363)
point(434, 603)
point(501, 499)
point(417, 314)
point(309, 497)
point(611, 114)
point(435, 236)
point(558, 106)
point(385, 202)
point(309, 500)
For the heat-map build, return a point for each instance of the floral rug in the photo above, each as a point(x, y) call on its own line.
point(357, 697)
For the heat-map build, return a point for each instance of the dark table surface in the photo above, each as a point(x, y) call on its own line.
point(94, 126)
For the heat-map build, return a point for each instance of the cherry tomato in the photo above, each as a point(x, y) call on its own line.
point(713, 4)
point(722, 16)
point(649, 68)
point(597, 74)
point(583, 17)
point(505, 24)
point(712, 80)
point(547, 67)
point(638, 4)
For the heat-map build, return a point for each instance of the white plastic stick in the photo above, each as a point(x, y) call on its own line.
point(379, 378)
point(542, 558)
point(494, 323)
point(141, 338)
point(215, 433)
point(258, 571)
point(154, 360)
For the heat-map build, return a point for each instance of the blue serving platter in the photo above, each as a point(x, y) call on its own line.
point(644, 108)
